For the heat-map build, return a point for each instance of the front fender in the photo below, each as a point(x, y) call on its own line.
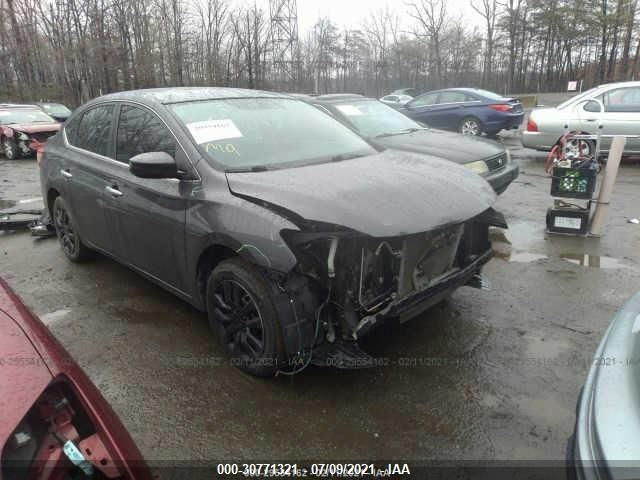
point(249, 230)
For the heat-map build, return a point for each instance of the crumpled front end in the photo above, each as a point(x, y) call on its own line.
point(363, 281)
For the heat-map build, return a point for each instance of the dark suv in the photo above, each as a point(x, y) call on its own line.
point(292, 232)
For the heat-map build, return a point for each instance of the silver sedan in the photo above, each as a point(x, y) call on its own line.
point(605, 443)
point(621, 116)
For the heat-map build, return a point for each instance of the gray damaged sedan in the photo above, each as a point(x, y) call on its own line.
point(605, 443)
point(295, 235)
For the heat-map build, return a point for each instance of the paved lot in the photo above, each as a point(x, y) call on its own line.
point(488, 375)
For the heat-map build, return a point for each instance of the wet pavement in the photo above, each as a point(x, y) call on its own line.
point(487, 375)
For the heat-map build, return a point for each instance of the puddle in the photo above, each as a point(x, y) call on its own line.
point(520, 234)
point(524, 257)
point(584, 260)
point(521, 240)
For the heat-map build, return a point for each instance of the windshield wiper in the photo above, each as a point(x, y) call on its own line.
point(401, 132)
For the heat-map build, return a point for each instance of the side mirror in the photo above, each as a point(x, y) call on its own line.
point(153, 165)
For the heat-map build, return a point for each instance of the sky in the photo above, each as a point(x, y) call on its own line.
point(352, 13)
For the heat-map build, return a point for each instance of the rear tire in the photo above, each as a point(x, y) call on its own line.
point(242, 315)
point(67, 233)
point(470, 126)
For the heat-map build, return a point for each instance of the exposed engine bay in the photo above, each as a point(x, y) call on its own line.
point(57, 440)
point(362, 280)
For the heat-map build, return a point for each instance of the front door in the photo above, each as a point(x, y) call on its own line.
point(422, 108)
point(147, 216)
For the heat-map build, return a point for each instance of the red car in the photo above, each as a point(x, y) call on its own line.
point(22, 128)
point(54, 424)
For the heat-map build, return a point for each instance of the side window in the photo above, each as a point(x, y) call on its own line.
point(622, 100)
point(93, 132)
point(71, 129)
point(140, 131)
point(452, 97)
point(424, 100)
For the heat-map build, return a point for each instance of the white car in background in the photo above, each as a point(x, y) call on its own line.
point(621, 116)
point(396, 100)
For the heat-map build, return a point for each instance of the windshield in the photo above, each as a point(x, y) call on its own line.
point(55, 109)
point(578, 97)
point(372, 118)
point(24, 116)
point(246, 133)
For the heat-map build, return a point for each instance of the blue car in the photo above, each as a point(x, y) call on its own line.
point(470, 111)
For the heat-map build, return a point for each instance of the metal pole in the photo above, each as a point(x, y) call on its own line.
point(610, 174)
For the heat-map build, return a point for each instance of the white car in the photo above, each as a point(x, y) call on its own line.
point(621, 116)
point(396, 100)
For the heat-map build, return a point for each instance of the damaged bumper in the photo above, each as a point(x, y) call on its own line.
point(420, 301)
point(347, 285)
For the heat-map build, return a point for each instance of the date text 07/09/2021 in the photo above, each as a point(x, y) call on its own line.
point(314, 470)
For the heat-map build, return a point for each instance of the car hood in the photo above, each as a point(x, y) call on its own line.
point(35, 127)
point(449, 145)
point(389, 194)
point(23, 374)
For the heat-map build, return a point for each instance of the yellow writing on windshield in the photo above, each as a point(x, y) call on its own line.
point(221, 147)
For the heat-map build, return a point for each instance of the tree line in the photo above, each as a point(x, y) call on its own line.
point(74, 50)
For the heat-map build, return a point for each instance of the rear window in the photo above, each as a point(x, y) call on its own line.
point(245, 133)
point(373, 118)
point(55, 109)
point(488, 94)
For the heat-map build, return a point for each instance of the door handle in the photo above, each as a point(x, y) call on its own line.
point(113, 191)
point(591, 119)
point(66, 173)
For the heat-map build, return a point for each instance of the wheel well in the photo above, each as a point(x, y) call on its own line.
point(207, 261)
point(52, 194)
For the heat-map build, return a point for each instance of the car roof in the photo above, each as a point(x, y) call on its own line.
point(186, 94)
point(17, 106)
point(621, 84)
point(339, 98)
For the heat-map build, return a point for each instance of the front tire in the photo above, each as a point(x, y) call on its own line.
point(242, 315)
point(470, 126)
point(10, 149)
point(67, 232)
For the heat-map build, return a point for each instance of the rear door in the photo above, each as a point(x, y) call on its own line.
point(621, 116)
point(85, 170)
point(147, 216)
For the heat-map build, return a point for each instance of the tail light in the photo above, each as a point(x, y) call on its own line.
point(532, 126)
point(500, 107)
